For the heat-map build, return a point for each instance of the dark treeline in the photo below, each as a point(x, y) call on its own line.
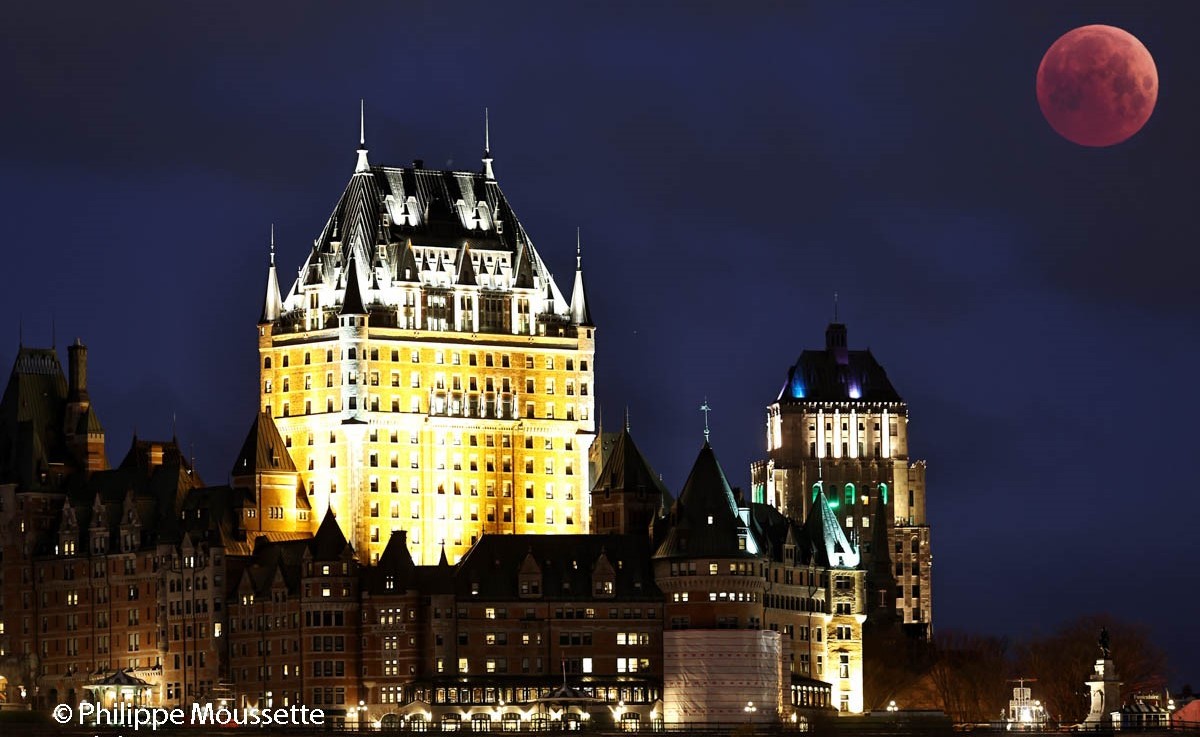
point(969, 676)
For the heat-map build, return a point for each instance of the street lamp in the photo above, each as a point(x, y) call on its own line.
point(750, 708)
point(362, 714)
point(892, 706)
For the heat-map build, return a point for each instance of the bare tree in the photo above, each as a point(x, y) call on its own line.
point(1063, 660)
point(894, 664)
point(969, 673)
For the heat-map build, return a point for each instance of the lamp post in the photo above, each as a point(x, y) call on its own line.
point(749, 708)
point(362, 714)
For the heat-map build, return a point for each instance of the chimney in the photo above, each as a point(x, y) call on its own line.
point(77, 372)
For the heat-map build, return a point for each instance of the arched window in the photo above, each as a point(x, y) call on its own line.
point(883, 493)
point(267, 362)
point(849, 493)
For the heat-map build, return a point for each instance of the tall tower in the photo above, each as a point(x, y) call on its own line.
point(717, 655)
point(838, 426)
point(425, 371)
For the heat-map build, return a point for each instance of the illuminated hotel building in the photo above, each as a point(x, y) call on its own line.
point(838, 426)
point(426, 372)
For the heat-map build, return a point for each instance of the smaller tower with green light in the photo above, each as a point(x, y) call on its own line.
point(838, 426)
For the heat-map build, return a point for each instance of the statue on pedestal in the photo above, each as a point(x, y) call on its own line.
point(1103, 642)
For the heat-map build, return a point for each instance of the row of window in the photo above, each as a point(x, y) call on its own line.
point(490, 383)
point(439, 405)
point(439, 357)
point(454, 438)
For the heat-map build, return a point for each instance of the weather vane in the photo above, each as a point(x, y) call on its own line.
point(705, 409)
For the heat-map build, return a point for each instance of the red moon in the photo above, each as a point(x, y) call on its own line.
point(1097, 85)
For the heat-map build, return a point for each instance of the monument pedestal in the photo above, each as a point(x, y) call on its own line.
point(1105, 690)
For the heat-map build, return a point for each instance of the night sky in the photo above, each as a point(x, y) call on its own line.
point(731, 167)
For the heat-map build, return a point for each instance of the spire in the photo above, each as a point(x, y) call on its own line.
point(832, 547)
point(580, 314)
point(705, 409)
point(362, 165)
point(487, 148)
point(273, 305)
point(627, 418)
point(352, 303)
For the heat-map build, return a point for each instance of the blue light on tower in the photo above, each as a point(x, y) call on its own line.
point(797, 387)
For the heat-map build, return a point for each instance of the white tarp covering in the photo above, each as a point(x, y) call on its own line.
point(713, 675)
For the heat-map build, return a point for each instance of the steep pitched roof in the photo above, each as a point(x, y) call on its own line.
point(263, 450)
point(408, 271)
point(825, 536)
point(466, 270)
point(31, 416)
point(393, 206)
point(705, 520)
point(626, 468)
point(352, 303)
point(141, 455)
point(581, 313)
point(395, 567)
point(154, 493)
point(566, 564)
point(272, 303)
point(837, 374)
point(329, 543)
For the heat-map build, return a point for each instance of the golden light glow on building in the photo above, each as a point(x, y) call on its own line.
point(425, 371)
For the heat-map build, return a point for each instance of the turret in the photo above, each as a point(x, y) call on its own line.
point(362, 166)
point(81, 427)
point(580, 315)
point(273, 304)
point(77, 373)
point(487, 149)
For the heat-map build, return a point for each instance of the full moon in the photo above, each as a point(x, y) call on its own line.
point(1097, 85)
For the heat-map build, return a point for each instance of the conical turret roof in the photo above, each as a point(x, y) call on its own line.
point(705, 521)
point(829, 544)
point(352, 303)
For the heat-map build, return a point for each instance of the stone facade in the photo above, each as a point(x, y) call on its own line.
point(839, 426)
point(425, 370)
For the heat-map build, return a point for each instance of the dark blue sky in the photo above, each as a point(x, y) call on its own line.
point(731, 166)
